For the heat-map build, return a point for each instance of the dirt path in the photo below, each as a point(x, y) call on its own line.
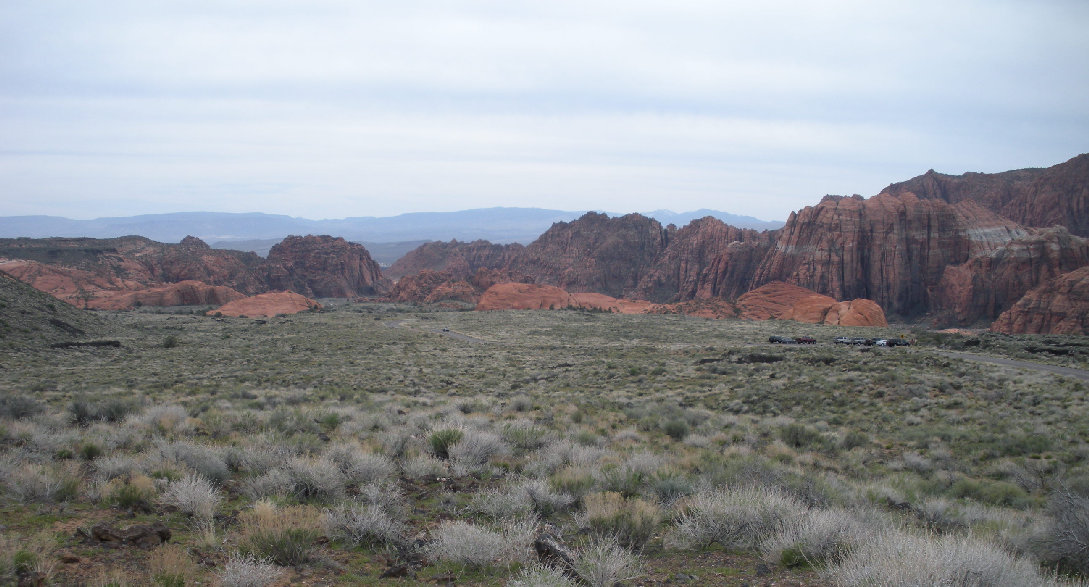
point(1065, 371)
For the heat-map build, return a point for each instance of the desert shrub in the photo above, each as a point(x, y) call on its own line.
point(526, 436)
point(359, 467)
point(443, 439)
point(284, 536)
point(604, 563)
point(38, 483)
point(193, 495)
point(83, 412)
point(854, 439)
point(423, 467)
point(669, 486)
point(545, 500)
point(896, 557)
point(165, 418)
point(364, 524)
point(1065, 542)
point(540, 575)
point(201, 459)
point(497, 504)
point(476, 448)
point(134, 493)
point(245, 570)
point(734, 517)
point(989, 492)
point(631, 522)
point(272, 483)
point(115, 466)
point(799, 436)
point(90, 451)
point(817, 538)
point(17, 407)
point(476, 546)
point(316, 480)
point(676, 429)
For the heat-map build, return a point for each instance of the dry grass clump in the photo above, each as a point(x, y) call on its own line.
point(286, 536)
point(630, 521)
point(423, 467)
point(360, 467)
point(539, 575)
point(497, 504)
point(170, 565)
point(26, 483)
point(741, 517)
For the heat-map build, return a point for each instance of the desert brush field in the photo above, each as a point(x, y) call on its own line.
point(382, 444)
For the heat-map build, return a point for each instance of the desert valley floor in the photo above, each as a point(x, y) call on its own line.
point(379, 443)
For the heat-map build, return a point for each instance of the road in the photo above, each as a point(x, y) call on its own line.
point(1066, 371)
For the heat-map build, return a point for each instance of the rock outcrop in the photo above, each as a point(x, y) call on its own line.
point(704, 260)
point(184, 293)
point(1059, 306)
point(990, 282)
point(782, 301)
point(1055, 196)
point(267, 304)
point(892, 249)
point(122, 272)
point(432, 287)
point(595, 253)
point(458, 259)
point(524, 296)
point(324, 267)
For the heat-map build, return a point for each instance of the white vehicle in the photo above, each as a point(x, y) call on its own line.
point(881, 342)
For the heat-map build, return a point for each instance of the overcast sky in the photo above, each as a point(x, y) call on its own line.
point(337, 108)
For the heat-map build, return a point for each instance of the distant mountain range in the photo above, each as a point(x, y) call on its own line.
point(386, 237)
point(498, 225)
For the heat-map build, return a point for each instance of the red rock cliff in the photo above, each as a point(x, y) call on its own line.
point(324, 267)
point(1059, 306)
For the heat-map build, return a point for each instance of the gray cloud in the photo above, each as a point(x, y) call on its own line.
point(332, 109)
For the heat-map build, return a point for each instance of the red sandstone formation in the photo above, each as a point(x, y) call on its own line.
point(1055, 196)
point(596, 301)
point(523, 296)
point(324, 266)
point(595, 253)
point(706, 259)
point(782, 301)
point(1059, 306)
point(267, 304)
point(184, 293)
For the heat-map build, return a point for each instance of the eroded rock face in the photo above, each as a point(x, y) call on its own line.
point(432, 287)
point(523, 296)
point(988, 283)
point(324, 266)
point(1055, 196)
point(185, 293)
point(706, 259)
point(595, 253)
point(268, 304)
point(782, 301)
point(892, 249)
point(1059, 306)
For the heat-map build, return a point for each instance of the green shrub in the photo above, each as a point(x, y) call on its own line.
point(676, 429)
point(442, 440)
point(631, 521)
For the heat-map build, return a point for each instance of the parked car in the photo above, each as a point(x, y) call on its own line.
point(843, 340)
point(898, 342)
point(862, 341)
point(881, 342)
point(805, 340)
point(780, 340)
